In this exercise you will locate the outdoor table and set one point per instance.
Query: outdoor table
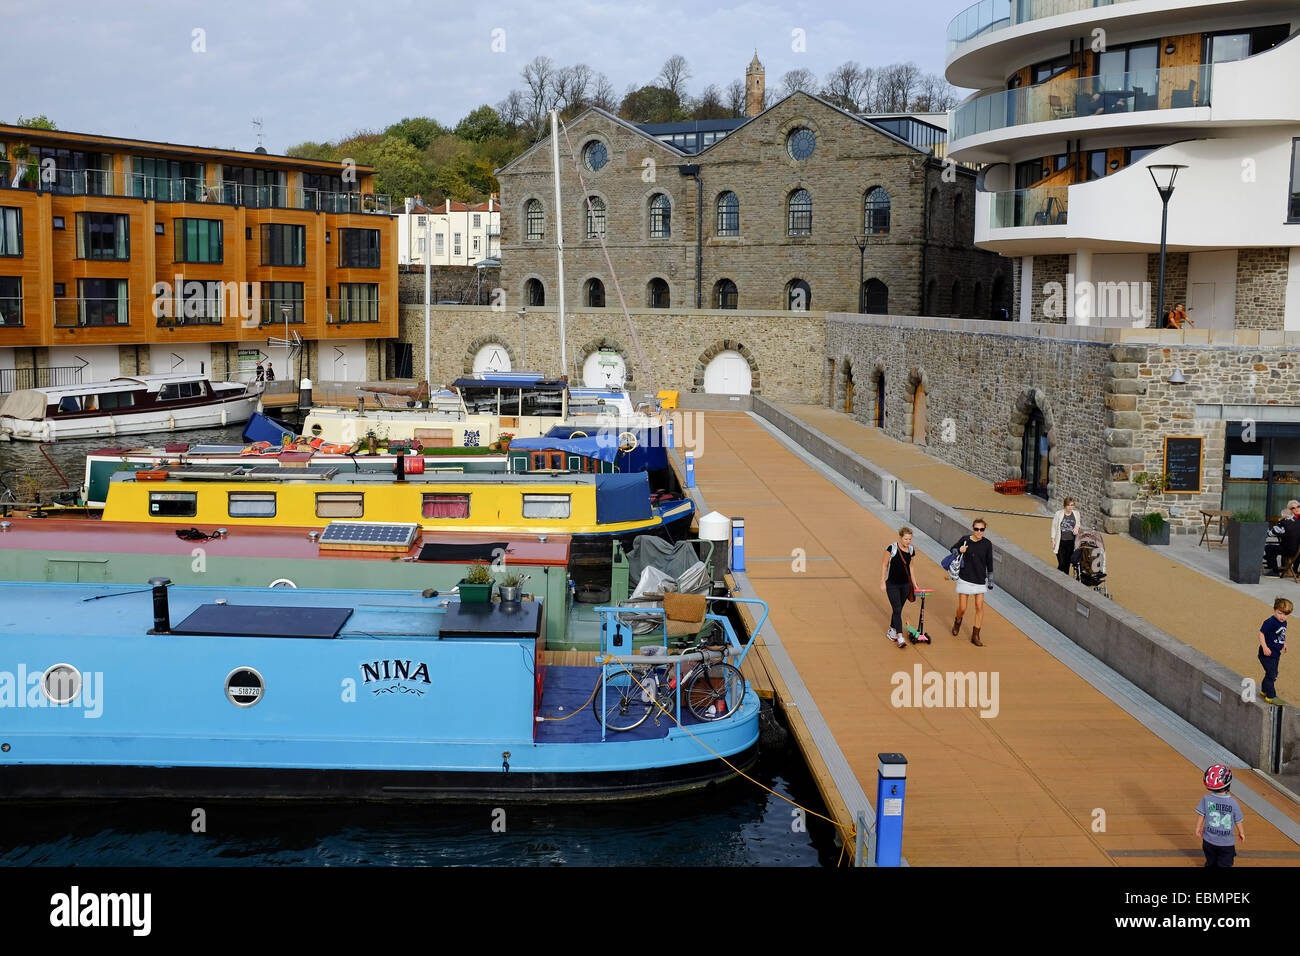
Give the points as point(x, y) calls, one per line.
point(1208, 517)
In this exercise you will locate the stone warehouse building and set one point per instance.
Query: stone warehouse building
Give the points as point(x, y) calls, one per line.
point(756, 214)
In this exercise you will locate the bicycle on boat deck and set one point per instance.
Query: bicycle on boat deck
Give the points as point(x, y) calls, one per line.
point(710, 689)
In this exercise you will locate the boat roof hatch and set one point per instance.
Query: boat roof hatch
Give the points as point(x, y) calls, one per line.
point(242, 620)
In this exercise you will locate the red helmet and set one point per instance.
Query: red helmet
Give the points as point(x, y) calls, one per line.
point(1218, 777)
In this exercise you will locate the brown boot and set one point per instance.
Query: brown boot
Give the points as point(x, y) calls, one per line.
point(956, 625)
point(975, 637)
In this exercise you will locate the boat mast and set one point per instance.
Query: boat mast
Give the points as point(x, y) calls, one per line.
point(559, 232)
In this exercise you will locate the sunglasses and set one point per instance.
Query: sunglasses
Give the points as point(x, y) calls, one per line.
point(977, 530)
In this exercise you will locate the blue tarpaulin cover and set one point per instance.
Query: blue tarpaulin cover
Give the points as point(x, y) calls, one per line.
point(650, 453)
point(601, 447)
point(622, 497)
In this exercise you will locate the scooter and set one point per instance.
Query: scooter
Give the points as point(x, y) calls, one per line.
point(917, 635)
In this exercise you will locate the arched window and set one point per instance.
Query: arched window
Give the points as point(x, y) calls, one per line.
point(954, 304)
point(995, 299)
point(728, 215)
point(534, 292)
point(931, 297)
point(657, 294)
point(535, 220)
point(595, 217)
point(875, 297)
point(724, 294)
point(977, 301)
point(875, 212)
point(594, 294)
point(798, 296)
point(956, 218)
point(661, 212)
point(800, 213)
point(934, 212)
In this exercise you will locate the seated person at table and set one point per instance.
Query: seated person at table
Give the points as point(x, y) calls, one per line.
point(1288, 538)
point(1178, 318)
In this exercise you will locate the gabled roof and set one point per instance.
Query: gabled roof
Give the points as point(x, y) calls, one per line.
point(546, 140)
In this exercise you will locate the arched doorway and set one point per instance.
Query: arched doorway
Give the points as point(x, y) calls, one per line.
point(604, 368)
point(1034, 454)
point(727, 373)
point(880, 398)
point(492, 357)
point(918, 415)
point(848, 388)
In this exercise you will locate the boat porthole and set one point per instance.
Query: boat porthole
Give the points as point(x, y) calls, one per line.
point(61, 683)
point(316, 430)
point(4, 748)
point(282, 583)
point(244, 687)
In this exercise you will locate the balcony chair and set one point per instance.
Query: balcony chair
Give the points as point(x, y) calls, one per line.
point(1180, 99)
point(1058, 108)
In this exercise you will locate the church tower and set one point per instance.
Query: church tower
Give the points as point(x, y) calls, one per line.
point(754, 80)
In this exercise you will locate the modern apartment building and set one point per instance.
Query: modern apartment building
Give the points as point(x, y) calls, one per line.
point(124, 256)
point(460, 234)
point(1077, 100)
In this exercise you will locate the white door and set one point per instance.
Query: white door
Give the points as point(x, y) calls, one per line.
point(492, 358)
point(1200, 304)
point(727, 374)
point(95, 363)
point(344, 361)
point(180, 359)
point(604, 369)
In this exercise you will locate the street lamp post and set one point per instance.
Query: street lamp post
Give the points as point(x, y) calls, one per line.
point(288, 354)
point(523, 327)
point(861, 242)
point(1163, 176)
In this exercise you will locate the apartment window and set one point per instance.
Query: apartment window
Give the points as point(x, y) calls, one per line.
point(724, 294)
point(75, 173)
point(198, 240)
point(875, 212)
point(159, 229)
point(359, 249)
point(799, 207)
point(728, 214)
point(444, 506)
point(248, 186)
point(251, 504)
point(330, 193)
point(167, 179)
point(478, 220)
point(535, 220)
point(176, 391)
point(11, 231)
point(173, 504)
point(102, 302)
point(455, 243)
point(1096, 164)
point(661, 212)
point(595, 217)
point(1293, 208)
point(11, 301)
point(1137, 153)
point(1042, 72)
point(358, 302)
point(102, 235)
point(200, 303)
point(476, 241)
point(420, 246)
point(58, 222)
point(340, 504)
point(278, 296)
point(439, 244)
point(284, 245)
point(1237, 45)
point(546, 506)
point(421, 220)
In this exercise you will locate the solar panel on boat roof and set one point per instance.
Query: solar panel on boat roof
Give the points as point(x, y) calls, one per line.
point(369, 532)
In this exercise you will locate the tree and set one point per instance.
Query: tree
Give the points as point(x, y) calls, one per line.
point(481, 123)
point(36, 122)
point(800, 80)
point(846, 86)
point(512, 110)
point(569, 88)
point(399, 170)
point(896, 86)
point(538, 92)
point(651, 104)
point(674, 74)
point(709, 105)
point(734, 98)
point(310, 150)
point(603, 95)
point(934, 94)
point(419, 131)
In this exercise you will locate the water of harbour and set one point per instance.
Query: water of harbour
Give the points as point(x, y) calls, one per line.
point(738, 824)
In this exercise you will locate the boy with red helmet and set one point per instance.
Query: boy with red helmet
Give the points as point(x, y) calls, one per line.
point(1217, 815)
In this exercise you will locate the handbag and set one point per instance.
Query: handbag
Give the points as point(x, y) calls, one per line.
point(952, 564)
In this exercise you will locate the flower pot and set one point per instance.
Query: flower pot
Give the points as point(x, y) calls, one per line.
point(475, 593)
point(1246, 550)
point(509, 595)
point(1136, 529)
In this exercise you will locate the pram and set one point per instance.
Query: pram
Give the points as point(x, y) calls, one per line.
point(1089, 561)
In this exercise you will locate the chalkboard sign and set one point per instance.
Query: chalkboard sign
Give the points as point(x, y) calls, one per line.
point(1183, 463)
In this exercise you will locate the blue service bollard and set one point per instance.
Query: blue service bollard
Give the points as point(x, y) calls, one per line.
point(668, 434)
point(690, 469)
point(891, 788)
point(738, 544)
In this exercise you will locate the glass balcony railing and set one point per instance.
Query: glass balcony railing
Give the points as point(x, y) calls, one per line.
point(352, 310)
point(989, 16)
point(1041, 206)
point(1174, 87)
point(76, 313)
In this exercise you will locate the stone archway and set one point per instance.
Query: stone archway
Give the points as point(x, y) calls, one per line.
point(1029, 400)
point(607, 344)
point(716, 349)
point(483, 341)
point(878, 395)
point(914, 423)
point(842, 398)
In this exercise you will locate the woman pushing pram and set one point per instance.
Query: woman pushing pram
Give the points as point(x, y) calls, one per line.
point(1089, 561)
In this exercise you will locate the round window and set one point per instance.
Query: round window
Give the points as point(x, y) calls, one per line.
point(801, 142)
point(595, 156)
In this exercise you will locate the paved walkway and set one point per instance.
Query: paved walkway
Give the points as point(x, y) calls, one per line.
point(1216, 617)
point(1032, 785)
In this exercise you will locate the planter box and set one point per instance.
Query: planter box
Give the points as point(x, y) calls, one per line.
point(475, 593)
point(1136, 530)
point(1246, 550)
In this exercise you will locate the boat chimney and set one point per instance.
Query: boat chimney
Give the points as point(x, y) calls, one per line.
point(304, 394)
point(162, 623)
point(400, 467)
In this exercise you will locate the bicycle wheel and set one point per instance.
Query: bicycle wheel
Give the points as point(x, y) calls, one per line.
point(620, 702)
point(714, 690)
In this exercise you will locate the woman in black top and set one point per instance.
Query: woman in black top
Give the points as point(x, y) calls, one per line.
point(976, 576)
point(897, 582)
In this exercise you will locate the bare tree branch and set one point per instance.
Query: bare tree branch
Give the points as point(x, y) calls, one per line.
point(800, 80)
point(674, 74)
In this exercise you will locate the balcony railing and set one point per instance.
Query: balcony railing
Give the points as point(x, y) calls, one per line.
point(12, 379)
point(1140, 91)
point(350, 311)
point(990, 16)
point(11, 311)
point(1041, 206)
point(273, 311)
point(77, 313)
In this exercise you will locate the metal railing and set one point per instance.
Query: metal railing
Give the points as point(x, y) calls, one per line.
point(12, 379)
point(59, 180)
point(348, 311)
point(77, 313)
point(273, 314)
point(11, 312)
point(990, 16)
point(1041, 206)
point(1139, 91)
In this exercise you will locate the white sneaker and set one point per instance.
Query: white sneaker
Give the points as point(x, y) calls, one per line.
point(892, 636)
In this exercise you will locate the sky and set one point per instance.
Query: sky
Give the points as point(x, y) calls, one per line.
point(198, 73)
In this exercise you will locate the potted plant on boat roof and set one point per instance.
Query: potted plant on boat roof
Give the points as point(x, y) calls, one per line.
point(1247, 532)
point(509, 588)
point(1149, 527)
point(476, 585)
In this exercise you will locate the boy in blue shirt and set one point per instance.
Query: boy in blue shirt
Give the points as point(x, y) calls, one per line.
point(1217, 814)
point(1272, 645)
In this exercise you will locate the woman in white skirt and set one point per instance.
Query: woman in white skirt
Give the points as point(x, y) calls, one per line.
point(975, 577)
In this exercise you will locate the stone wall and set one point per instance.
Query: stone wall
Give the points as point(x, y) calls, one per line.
point(1261, 288)
point(1048, 269)
point(1175, 281)
point(785, 350)
point(464, 284)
